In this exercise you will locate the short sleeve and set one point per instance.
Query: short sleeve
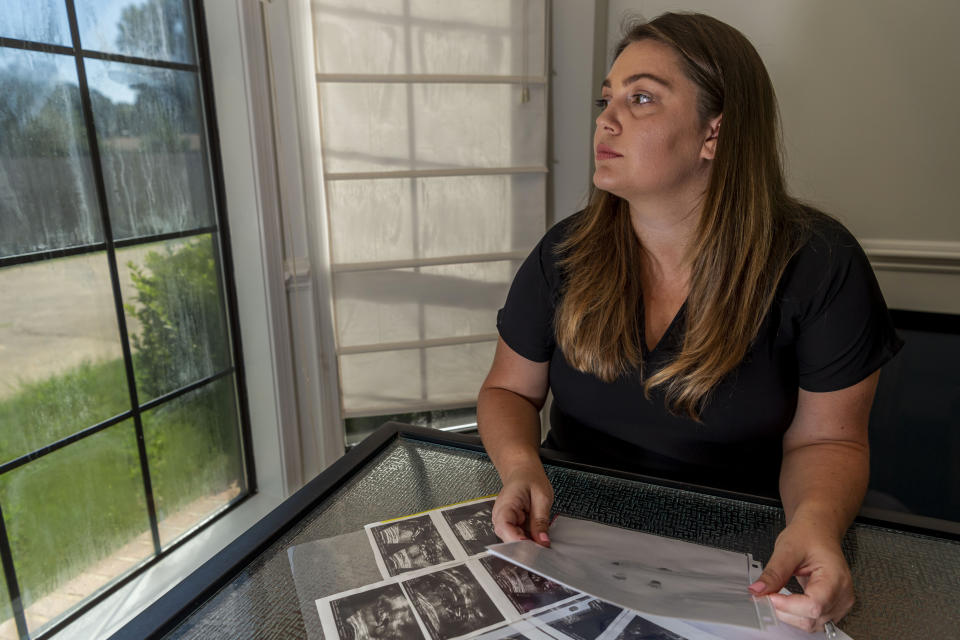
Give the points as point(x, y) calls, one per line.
point(526, 320)
point(843, 328)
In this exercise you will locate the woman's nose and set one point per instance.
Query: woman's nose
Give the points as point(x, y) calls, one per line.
point(607, 120)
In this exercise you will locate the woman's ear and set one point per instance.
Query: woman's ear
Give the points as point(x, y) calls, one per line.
point(710, 144)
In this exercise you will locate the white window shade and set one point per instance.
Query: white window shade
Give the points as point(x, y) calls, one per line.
point(434, 136)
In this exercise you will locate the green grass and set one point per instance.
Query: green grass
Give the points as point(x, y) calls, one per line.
point(46, 411)
point(77, 505)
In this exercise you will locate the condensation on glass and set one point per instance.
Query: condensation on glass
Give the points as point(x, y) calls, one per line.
point(150, 134)
point(175, 313)
point(154, 29)
point(47, 194)
point(72, 391)
point(196, 431)
point(61, 368)
point(35, 20)
point(77, 520)
point(8, 627)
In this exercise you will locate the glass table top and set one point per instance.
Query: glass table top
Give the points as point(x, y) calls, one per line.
point(907, 584)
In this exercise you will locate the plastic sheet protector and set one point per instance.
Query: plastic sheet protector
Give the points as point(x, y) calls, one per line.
point(647, 573)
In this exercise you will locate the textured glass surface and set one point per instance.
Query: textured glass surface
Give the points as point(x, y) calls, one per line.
point(37, 20)
point(47, 197)
point(198, 431)
point(906, 583)
point(435, 376)
point(392, 126)
point(155, 29)
point(429, 302)
point(77, 519)
point(150, 132)
point(176, 312)
point(400, 219)
point(61, 366)
point(494, 37)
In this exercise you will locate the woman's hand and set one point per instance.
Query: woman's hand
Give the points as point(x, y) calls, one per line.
point(522, 510)
point(803, 550)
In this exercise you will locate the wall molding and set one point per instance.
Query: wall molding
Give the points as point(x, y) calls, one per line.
point(926, 256)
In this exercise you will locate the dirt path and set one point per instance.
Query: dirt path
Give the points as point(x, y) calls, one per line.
point(56, 314)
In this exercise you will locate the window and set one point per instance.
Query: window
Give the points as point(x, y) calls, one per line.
point(121, 412)
point(433, 120)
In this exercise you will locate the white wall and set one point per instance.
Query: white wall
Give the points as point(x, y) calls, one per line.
point(871, 116)
point(577, 29)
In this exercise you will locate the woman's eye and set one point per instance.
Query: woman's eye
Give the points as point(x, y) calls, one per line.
point(640, 98)
point(601, 102)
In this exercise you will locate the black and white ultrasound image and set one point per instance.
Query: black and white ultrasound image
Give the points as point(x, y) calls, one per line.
point(407, 545)
point(451, 603)
point(383, 613)
point(588, 622)
point(526, 590)
point(473, 526)
point(641, 629)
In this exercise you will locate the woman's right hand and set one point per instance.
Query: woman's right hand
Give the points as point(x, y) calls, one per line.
point(522, 510)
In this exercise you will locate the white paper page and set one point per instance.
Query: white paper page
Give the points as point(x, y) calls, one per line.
point(647, 573)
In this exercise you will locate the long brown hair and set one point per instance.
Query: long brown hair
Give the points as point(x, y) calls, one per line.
point(748, 231)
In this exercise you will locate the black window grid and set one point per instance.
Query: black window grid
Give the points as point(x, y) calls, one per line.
point(219, 233)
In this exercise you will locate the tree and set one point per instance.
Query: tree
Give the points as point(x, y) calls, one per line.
point(182, 334)
point(155, 29)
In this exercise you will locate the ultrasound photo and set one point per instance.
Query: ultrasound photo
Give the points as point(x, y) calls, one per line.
point(640, 629)
point(378, 614)
point(452, 603)
point(525, 590)
point(473, 526)
point(588, 622)
point(410, 544)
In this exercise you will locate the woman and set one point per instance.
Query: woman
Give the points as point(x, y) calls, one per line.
point(695, 321)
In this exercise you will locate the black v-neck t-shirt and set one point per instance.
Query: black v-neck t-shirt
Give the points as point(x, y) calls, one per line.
point(828, 328)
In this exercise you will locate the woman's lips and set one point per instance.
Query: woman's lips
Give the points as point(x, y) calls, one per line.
point(605, 153)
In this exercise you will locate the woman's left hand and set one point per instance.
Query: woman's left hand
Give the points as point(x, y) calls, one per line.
point(816, 559)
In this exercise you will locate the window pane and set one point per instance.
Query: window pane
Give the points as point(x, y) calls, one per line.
point(408, 379)
point(176, 314)
point(459, 420)
point(398, 219)
point(77, 519)
point(445, 37)
point(61, 368)
point(193, 448)
point(391, 127)
point(155, 29)
point(151, 140)
point(37, 20)
point(8, 627)
point(47, 197)
point(432, 302)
